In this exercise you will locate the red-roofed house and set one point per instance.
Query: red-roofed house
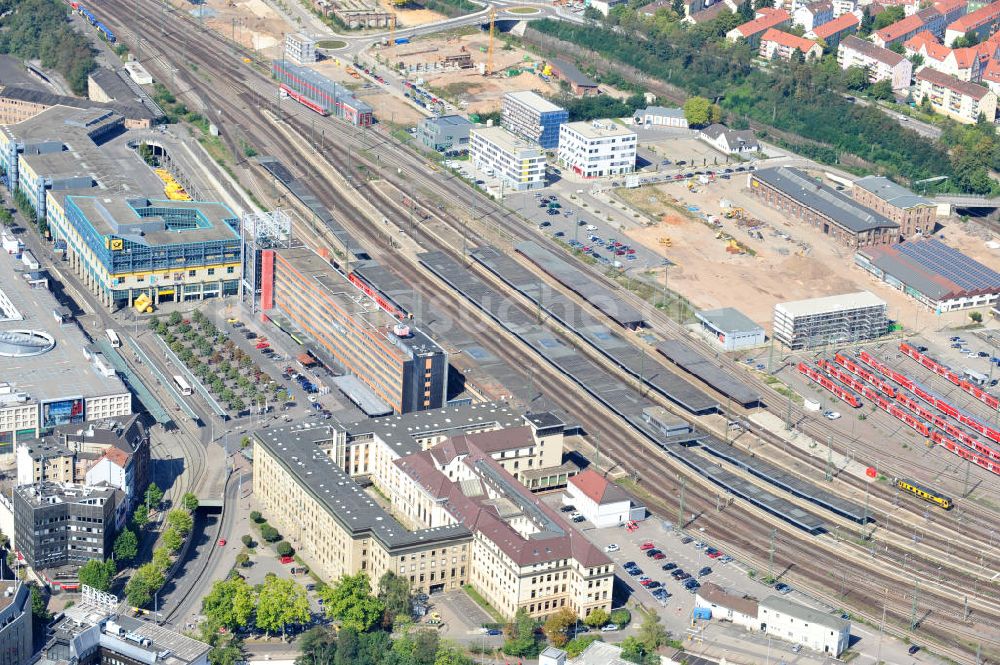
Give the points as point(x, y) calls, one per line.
point(983, 22)
point(776, 43)
point(965, 64)
point(960, 100)
point(899, 31)
point(599, 500)
point(991, 76)
point(767, 18)
point(831, 33)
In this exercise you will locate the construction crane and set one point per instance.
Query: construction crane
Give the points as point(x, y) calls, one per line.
point(392, 29)
point(489, 49)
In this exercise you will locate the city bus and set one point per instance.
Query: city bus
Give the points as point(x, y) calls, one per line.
point(113, 337)
point(182, 385)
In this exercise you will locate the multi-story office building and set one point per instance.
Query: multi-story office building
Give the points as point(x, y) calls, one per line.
point(401, 365)
point(59, 524)
point(596, 149)
point(842, 319)
point(497, 153)
point(532, 117)
point(446, 133)
point(444, 473)
point(914, 214)
point(15, 623)
point(961, 101)
point(300, 49)
point(48, 374)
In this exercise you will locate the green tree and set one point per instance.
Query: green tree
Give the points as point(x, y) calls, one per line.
point(242, 559)
point(597, 618)
point(162, 559)
point(98, 574)
point(230, 603)
point(145, 581)
point(280, 603)
point(970, 38)
point(6, 218)
point(317, 646)
point(247, 540)
point(154, 495)
point(678, 7)
point(394, 592)
point(256, 517)
point(882, 90)
point(652, 634)
point(698, 111)
point(140, 517)
point(578, 644)
point(189, 501)
point(269, 533)
point(230, 653)
point(451, 654)
point(175, 319)
point(556, 625)
point(350, 601)
point(284, 548)
point(126, 545)
point(181, 520)
point(39, 605)
point(172, 540)
point(856, 78)
point(520, 635)
point(977, 317)
point(887, 17)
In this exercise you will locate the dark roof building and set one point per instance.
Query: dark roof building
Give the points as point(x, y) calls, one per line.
point(836, 215)
point(579, 83)
point(937, 275)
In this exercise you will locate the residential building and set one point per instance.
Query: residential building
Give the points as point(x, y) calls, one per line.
point(597, 148)
point(914, 214)
point(731, 329)
point(532, 117)
point(516, 163)
point(961, 101)
point(51, 375)
point(832, 32)
point(813, 15)
point(784, 45)
point(880, 63)
point(60, 524)
point(941, 277)
point(15, 623)
point(660, 116)
point(841, 7)
point(579, 83)
point(320, 94)
point(830, 211)
point(398, 363)
point(300, 49)
point(604, 6)
point(983, 23)
point(965, 64)
point(729, 141)
point(712, 12)
point(899, 31)
point(446, 133)
point(452, 476)
point(991, 76)
point(739, 610)
point(803, 625)
point(601, 501)
point(766, 18)
point(596, 653)
point(840, 319)
point(92, 631)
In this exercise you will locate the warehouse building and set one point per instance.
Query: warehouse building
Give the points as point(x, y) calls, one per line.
point(597, 148)
point(446, 133)
point(320, 94)
point(941, 277)
point(516, 163)
point(532, 117)
point(579, 83)
point(731, 329)
point(20, 104)
point(65, 524)
point(803, 625)
point(914, 214)
point(48, 376)
point(452, 474)
point(401, 365)
point(660, 117)
point(842, 319)
point(840, 217)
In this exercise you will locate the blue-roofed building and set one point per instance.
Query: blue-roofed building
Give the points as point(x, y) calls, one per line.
point(930, 271)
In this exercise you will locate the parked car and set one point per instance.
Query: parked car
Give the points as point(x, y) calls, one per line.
point(568, 508)
point(646, 546)
point(579, 518)
point(653, 552)
point(913, 649)
point(659, 556)
point(669, 566)
point(782, 588)
point(704, 571)
point(613, 547)
point(609, 628)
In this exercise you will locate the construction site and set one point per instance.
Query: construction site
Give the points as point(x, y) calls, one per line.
point(457, 67)
point(251, 23)
point(730, 250)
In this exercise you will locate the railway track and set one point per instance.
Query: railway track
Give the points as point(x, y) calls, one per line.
point(614, 440)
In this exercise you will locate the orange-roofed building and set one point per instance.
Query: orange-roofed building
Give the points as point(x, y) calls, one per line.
point(965, 64)
point(600, 501)
point(899, 31)
point(767, 18)
point(982, 22)
point(831, 33)
point(779, 44)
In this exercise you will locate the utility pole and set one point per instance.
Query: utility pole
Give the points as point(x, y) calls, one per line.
point(788, 417)
point(770, 559)
point(864, 520)
point(829, 458)
point(965, 611)
point(597, 449)
point(881, 627)
point(965, 485)
point(680, 505)
point(913, 610)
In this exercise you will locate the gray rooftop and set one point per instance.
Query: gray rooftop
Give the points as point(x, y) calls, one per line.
point(112, 84)
point(813, 194)
point(686, 357)
point(892, 193)
point(674, 112)
point(728, 319)
point(153, 222)
point(448, 121)
point(804, 613)
point(361, 395)
point(64, 371)
point(297, 448)
point(131, 109)
point(934, 269)
point(533, 101)
point(572, 73)
point(825, 304)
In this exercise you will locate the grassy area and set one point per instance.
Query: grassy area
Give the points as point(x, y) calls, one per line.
point(633, 487)
point(331, 43)
point(474, 595)
point(523, 10)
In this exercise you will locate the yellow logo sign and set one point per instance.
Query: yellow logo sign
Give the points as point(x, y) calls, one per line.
point(117, 244)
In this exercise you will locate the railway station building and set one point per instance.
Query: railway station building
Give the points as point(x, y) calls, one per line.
point(458, 512)
point(401, 365)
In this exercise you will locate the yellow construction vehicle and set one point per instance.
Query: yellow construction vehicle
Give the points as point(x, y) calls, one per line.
point(665, 241)
point(734, 212)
